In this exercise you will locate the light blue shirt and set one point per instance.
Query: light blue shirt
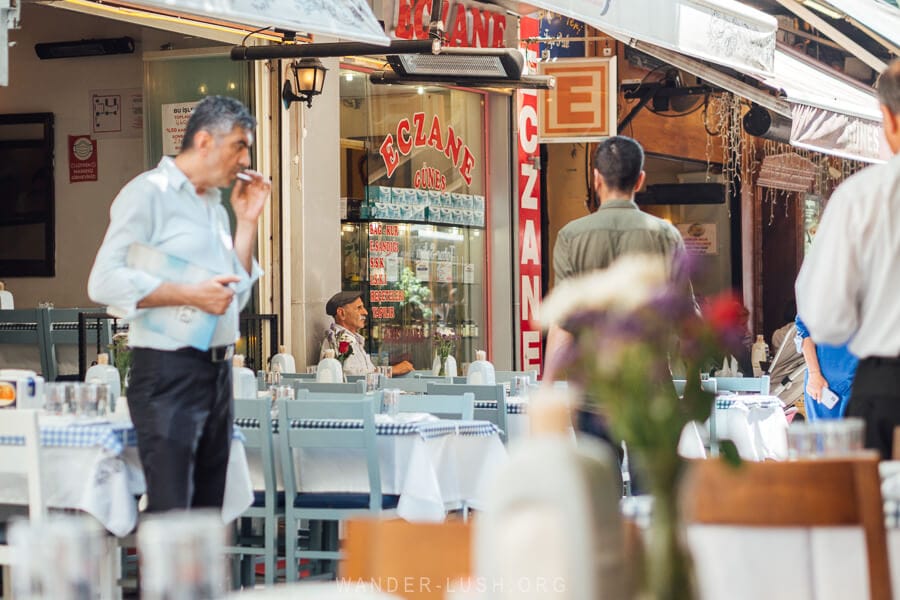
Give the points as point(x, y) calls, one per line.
point(161, 208)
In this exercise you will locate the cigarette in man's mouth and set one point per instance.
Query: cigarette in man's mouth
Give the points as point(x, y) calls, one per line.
point(244, 177)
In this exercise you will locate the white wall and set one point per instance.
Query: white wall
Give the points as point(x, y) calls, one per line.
point(62, 87)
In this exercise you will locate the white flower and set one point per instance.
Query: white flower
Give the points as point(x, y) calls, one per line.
point(630, 282)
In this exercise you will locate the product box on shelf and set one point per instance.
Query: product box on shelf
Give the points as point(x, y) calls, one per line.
point(378, 193)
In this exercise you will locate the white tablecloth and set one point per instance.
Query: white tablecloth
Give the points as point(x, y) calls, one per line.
point(432, 473)
point(756, 424)
point(95, 468)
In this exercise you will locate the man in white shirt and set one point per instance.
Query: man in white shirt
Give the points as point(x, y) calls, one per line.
point(343, 336)
point(849, 285)
point(180, 391)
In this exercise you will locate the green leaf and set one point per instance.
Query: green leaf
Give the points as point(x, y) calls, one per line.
point(729, 453)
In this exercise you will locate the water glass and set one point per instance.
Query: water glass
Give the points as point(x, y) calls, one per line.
point(390, 404)
point(280, 392)
point(87, 399)
point(373, 381)
point(182, 556)
point(312, 369)
point(385, 372)
point(519, 386)
point(57, 558)
point(55, 398)
point(826, 438)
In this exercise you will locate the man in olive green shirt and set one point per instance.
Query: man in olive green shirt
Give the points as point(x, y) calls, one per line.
point(617, 228)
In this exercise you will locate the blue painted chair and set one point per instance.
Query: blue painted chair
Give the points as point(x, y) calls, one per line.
point(743, 385)
point(333, 506)
point(490, 393)
point(357, 387)
point(410, 385)
point(253, 418)
point(455, 406)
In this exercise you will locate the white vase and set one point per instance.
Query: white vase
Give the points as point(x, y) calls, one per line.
point(449, 367)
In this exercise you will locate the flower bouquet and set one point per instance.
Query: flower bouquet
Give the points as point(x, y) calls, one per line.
point(630, 325)
point(444, 340)
point(341, 342)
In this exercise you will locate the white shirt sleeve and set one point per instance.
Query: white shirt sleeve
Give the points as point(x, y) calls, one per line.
point(111, 282)
point(828, 285)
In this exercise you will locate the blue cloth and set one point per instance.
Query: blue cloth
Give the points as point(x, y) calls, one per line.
point(838, 367)
point(160, 208)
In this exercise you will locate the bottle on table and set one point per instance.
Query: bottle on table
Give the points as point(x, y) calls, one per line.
point(759, 353)
point(103, 372)
point(329, 369)
point(481, 372)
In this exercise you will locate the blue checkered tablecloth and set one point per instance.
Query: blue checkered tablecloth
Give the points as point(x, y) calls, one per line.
point(512, 408)
point(113, 437)
point(425, 429)
point(726, 402)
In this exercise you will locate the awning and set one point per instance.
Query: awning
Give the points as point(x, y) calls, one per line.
point(344, 19)
point(879, 19)
point(830, 112)
point(725, 32)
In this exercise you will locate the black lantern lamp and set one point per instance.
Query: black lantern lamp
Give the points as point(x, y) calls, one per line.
point(309, 77)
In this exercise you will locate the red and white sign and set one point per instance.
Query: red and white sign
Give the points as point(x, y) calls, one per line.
point(582, 106)
point(82, 158)
point(529, 201)
point(468, 24)
point(420, 133)
point(174, 121)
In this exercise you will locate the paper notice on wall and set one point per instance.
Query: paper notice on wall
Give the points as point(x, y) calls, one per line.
point(699, 238)
point(392, 267)
point(174, 121)
point(444, 272)
point(117, 113)
point(469, 273)
point(423, 271)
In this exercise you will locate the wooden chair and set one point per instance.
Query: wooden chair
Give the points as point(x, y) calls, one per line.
point(252, 417)
point(492, 393)
point(327, 506)
point(21, 456)
point(444, 406)
point(743, 385)
point(813, 493)
point(431, 555)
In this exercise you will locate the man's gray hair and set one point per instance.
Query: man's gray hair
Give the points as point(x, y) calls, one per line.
point(888, 87)
point(218, 115)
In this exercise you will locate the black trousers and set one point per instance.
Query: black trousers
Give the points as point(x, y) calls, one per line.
point(181, 406)
point(875, 398)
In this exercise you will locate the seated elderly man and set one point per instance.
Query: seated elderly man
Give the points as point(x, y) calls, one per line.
point(343, 336)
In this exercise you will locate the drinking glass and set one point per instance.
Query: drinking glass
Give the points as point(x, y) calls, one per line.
point(385, 371)
point(390, 404)
point(801, 441)
point(55, 398)
point(373, 381)
point(519, 387)
point(87, 399)
point(182, 555)
point(311, 369)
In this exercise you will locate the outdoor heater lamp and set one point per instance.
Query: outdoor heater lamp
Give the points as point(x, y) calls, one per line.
point(309, 78)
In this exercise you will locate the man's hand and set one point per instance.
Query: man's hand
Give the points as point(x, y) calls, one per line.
point(249, 197)
point(213, 295)
point(814, 385)
point(401, 368)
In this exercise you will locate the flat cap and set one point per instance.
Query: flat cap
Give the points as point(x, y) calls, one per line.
point(340, 299)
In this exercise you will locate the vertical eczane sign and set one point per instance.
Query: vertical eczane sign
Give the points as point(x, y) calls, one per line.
point(529, 199)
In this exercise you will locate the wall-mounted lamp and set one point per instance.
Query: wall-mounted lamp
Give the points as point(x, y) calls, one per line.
point(309, 77)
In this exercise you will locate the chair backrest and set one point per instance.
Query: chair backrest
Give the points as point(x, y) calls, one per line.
point(410, 385)
point(361, 435)
point(358, 387)
point(707, 385)
point(750, 385)
point(492, 393)
point(20, 438)
point(804, 493)
point(248, 412)
point(289, 377)
point(444, 406)
point(385, 551)
point(62, 330)
point(26, 327)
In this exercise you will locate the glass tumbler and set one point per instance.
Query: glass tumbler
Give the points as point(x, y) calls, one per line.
point(55, 398)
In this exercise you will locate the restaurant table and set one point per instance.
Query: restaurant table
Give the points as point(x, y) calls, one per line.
point(432, 464)
point(755, 423)
point(92, 465)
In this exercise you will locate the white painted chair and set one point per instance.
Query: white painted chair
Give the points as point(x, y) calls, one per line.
point(20, 441)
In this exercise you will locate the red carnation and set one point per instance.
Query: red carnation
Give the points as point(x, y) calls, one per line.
point(343, 347)
point(725, 312)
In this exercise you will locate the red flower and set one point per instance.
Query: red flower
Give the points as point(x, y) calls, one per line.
point(343, 347)
point(725, 312)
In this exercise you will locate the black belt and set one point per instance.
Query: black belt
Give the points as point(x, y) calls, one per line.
point(214, 354)
point(882, 361)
